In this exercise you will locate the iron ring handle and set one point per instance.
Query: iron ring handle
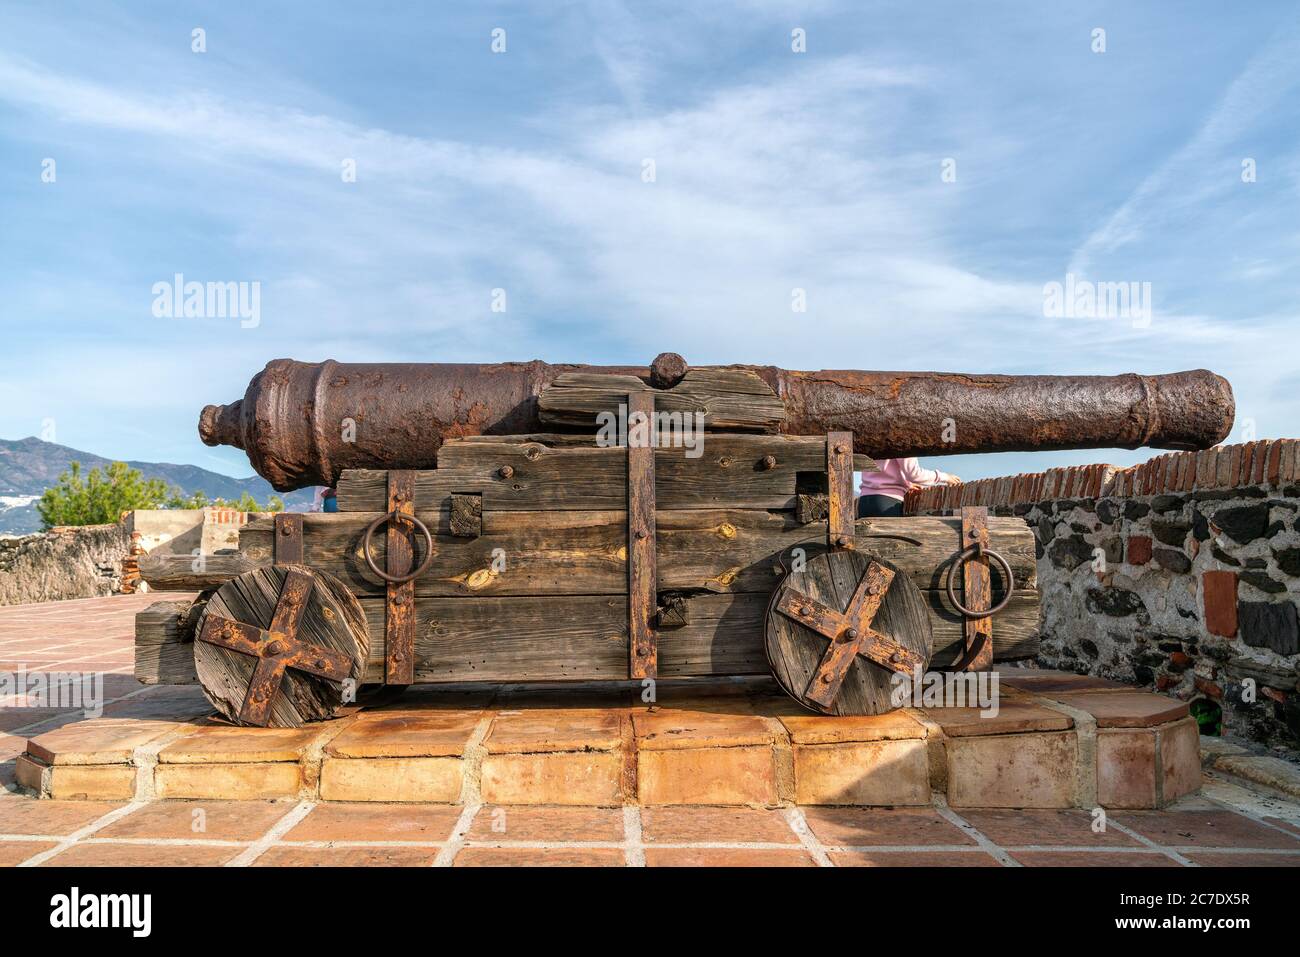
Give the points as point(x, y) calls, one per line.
point(964, 556)
point(370, 559)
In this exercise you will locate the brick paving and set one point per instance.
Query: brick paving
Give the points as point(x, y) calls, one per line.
point(96, 634)
point(286, 833)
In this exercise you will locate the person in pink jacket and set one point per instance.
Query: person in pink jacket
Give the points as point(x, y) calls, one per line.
point(881, 493)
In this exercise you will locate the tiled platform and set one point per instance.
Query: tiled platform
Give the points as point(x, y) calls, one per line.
point(596, 776)
point(737, 743)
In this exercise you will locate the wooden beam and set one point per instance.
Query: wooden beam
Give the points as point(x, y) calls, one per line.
point(399, 619)
point(729, 398)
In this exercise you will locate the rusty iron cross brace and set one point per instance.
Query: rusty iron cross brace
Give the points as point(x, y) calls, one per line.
point(276, 648)
point(850, 634)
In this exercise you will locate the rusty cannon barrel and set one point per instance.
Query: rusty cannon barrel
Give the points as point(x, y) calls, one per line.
point(304, 423)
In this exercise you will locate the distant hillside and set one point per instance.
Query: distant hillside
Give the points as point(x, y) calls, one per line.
point(29, 466)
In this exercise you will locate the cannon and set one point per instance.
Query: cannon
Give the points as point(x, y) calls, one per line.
point(536, 523)
point(305, 423)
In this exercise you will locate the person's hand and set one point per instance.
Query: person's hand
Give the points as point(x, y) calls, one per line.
point(954, 480)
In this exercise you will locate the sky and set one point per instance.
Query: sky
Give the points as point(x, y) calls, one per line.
point(639, 178)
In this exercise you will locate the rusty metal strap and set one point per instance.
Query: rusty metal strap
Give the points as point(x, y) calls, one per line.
point(399, 596)
point(642, 575)
point(839, 481)
point(977, 588)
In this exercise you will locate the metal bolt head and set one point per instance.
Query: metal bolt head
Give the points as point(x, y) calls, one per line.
point(841, 449)
point(843, 541)
point(274, 648)
point(768, 462)
point(826, 678)
point(321, 663)
point(399, 599)
point(642, 534)
point(851, 634)
point(806, 611)
point(896, 656)
point(506, 471)
point(285, 530)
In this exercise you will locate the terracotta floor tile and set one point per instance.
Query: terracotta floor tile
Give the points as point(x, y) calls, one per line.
point(1285, 825)
point(27, 815)
point(1229, 859)
point(200, 820)
point(402, 734)
point(1134, 709)
point(1205, 829)
point(865, 827)
point(715, 825)
point(1043, 681)
point(1025, 827)
point(217, 742)
point(142, 855)
point(540, 857)
point(13, 853)
point(330, 821)
point(1014, 716)
point(524, 823)
point(725, 857)
point(1092, 859)
point(347, 857)
point(552, 729)
point(912, 859)
point(668, 729)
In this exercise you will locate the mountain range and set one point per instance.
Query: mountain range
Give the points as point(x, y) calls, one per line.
point(29, 466)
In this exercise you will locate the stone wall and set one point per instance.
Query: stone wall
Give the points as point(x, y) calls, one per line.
point(83, 562)
point(94, 560)
point(1183, 574)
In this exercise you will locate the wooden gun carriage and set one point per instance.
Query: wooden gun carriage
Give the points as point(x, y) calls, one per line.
point(568, 557)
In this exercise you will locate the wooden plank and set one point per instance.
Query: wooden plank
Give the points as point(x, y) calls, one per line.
point(164, 642)
point(567, 552)
point(198, 572)
point(729, 398)
point(399, 620)
point(977, 589)
point(582, 553)
point(839, 479)
point(641, 548)
point(288, 538)
point(585, 638)
point(553, 472)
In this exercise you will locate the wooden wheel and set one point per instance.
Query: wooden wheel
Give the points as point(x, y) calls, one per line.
point(280, 646)
point(837, 631)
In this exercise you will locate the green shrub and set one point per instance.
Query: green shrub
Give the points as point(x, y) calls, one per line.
point(101, 496)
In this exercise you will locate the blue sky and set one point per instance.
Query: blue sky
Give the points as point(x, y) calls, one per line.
point(522, 171)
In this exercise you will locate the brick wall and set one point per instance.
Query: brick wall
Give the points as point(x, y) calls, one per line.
point(1182, 573)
